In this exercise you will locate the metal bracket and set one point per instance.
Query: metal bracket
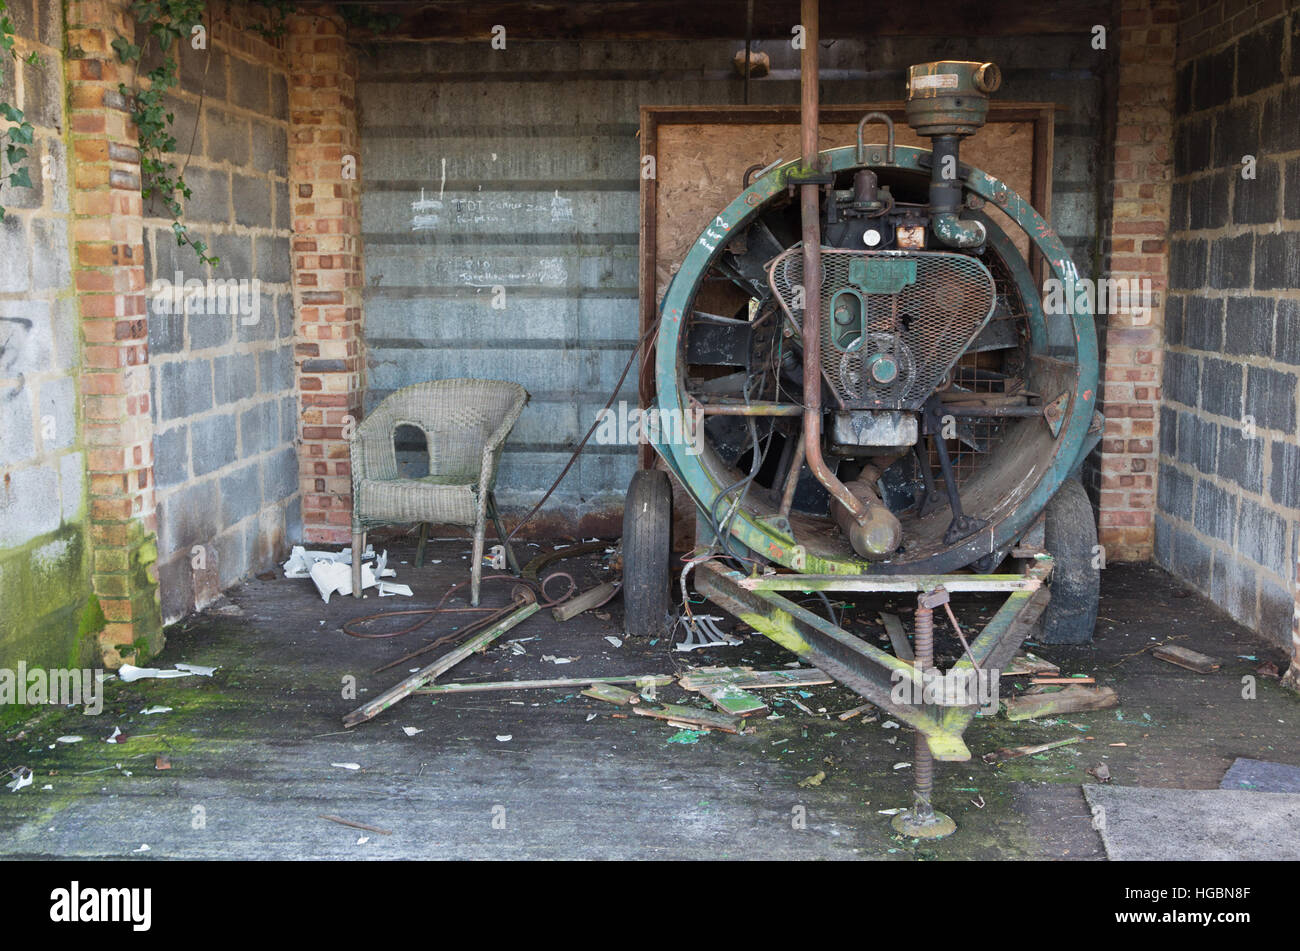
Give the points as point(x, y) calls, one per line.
point(702, 631)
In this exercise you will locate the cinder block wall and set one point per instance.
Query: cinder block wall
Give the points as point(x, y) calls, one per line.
point(47, 610)
point(225, 410)
point(1229, 488)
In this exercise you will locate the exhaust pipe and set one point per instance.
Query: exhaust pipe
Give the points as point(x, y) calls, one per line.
point(945, 101)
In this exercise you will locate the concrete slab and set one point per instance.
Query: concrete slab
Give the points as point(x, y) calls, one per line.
point(1198, 825)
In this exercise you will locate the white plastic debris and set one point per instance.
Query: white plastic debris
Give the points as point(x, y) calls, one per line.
point(347, 765)
point(331, 575)
point(301, 560)
point(23, 777)
point(363, 840)
point(411, 730)
point(69, 739)
point(147, 711)
point(614, 640)
point(196, 669)
point(505, 737)
point(129, 673)
point(889, 725)
point(113, 737)
point(143, 848)
point(558, 660)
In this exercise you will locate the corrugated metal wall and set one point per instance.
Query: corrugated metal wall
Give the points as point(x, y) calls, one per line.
point(518, 168)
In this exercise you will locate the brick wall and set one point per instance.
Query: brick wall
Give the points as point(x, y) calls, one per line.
point(324, 182)
point(108, 252)
point(47, 612)
point(1136, 249)
point(1229, 489)
point(224, 408)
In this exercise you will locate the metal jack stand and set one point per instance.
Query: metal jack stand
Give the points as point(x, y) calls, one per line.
point(921, 821)
point(896, 686)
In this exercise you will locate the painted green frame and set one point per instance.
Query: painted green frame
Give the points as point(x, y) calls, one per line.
point(1078, 434)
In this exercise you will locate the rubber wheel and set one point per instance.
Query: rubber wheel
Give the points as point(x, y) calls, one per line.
point(647, 554)
point(1070, 536)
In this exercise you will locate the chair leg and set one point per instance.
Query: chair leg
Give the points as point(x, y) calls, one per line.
point(358, 546)
point(419, 550)
point(476, 568)
point(501, 533)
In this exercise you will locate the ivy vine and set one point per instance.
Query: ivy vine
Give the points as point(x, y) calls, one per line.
point(18, 135)
point(166, 23)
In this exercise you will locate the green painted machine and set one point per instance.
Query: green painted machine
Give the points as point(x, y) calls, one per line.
point(886, 406)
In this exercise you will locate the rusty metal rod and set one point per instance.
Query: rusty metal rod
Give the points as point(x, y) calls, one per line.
point(810, 210)
point(923, 759)
point(751, 409)
point(792, 480)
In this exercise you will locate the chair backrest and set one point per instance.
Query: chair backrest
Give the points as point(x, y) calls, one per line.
point(458, 418)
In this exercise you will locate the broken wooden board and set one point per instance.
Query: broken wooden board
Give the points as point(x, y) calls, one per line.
point(897, 636)
point(1006, 753)
point(1189, 659)
point(645, 680)
point(1027, 663)
point(746, 678)
point(593, 598)
point(731, 699)
point(1067, 700)
point(611, 694)
point(1062, 681)
point(444, 663)
point(691, 717)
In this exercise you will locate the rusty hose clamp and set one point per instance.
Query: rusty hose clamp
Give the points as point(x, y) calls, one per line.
point(889, 146)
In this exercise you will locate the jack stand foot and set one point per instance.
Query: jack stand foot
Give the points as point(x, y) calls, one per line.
point(934, 826)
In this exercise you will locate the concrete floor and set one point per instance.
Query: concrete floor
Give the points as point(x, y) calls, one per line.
point(251, 748)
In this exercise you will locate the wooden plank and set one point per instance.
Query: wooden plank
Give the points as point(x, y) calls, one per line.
point(1027, 663)
point(591, 598)
point(658, 680)
point(1069, 700)
point(690, 715)
point(611, 694)
point(749, 679)
point(897, 636)
point(1184, 657)
point(444, 663)
point(731, 699)
point(1005, 753)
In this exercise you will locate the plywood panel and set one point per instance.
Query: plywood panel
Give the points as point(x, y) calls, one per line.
point(700, 167)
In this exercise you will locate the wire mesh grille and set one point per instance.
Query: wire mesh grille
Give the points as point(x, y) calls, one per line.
point(889, 350)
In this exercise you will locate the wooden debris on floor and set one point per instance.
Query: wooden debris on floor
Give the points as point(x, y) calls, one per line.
point(1186, 658)
point(1027, 663)
point(356, 825)
point(611, 694)
point(1006, 753)
point(690, 717)
point(443, 664)
point(592, 598)
point(1067, 681)
point(746, 678)
point(850, 714)
point(731, 699)
point(897, 636)
point(1066, 700)
point(644, 680)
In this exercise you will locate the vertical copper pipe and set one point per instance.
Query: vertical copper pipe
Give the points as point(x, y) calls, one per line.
point(810, 208)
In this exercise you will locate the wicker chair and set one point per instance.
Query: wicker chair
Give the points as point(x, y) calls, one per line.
point(465, 423)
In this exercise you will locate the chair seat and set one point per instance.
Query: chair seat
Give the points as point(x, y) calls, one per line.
point(417, 500)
